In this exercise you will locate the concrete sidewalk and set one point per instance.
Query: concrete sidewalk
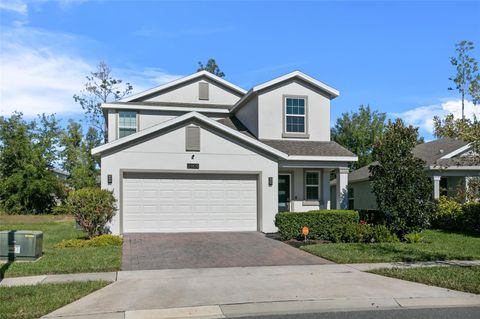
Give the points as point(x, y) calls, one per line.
point(234, 292)
point(112, 276)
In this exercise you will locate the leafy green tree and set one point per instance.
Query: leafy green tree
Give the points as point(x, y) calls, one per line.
point(403, 190)
point(76, 156)
point(467, 78)
point(211, 67)
point(464, 129)
point(27, 152)
point(101, 87)
point(358, 132)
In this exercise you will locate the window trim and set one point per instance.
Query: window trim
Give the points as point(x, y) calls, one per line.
point(317, 200)
point(136, 122)
point(305, 116)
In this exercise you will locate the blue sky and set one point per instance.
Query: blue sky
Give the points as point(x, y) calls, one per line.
point(391, 55)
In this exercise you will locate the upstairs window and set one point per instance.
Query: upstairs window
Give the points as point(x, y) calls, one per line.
point(127, 123)
point(295, 115)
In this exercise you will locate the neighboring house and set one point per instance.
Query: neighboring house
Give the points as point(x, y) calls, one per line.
point(202, 154)
point(448, 163)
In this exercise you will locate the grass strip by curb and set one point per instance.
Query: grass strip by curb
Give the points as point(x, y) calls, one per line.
point(25, 302)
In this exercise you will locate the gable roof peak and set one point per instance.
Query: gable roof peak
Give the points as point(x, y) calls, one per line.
point(181, 80)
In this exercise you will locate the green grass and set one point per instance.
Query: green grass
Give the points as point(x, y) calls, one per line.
point(58, 260)
point(23, 302)
point(458, 278)
point(439, 245)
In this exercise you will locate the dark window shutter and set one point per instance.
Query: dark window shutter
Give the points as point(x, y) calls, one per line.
point(192, 140)
point(203, 91)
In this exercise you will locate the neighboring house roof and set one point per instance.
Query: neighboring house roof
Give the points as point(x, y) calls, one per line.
point(163, 87)
point(435, 153)
point(331, 92)
point(432, 151)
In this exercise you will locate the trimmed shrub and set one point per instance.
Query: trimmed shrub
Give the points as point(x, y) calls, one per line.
point(364, 233)
point(92, 208)
point(99, 241)
point(471, 217)
point(449, 214)
point(413, 238)
point(323, 224)
point(381, 234)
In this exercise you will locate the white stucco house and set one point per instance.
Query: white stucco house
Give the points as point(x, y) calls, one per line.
point(203, 154)
point(448, 162)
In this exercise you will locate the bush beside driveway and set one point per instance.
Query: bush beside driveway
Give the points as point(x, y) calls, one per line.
point(58, 260)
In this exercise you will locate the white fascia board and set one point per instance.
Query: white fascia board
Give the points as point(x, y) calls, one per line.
point(302, 76)
point(333, 92)
point(460, 150)
point(182, 80)
point(162, 108)
point(180, 119)
point(455, 168)
point(323, 158)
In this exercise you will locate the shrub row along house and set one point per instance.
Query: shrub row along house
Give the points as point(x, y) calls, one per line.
point(448, 162)
point(202, 154)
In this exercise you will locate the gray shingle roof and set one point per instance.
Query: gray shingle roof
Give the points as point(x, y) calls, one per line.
point(430, 152)
point(308, 148)
point(234, 123)
point(292, 147)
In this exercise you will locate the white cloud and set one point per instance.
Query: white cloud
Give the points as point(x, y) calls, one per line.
point(422, 116)
point(17, 6)
point(40, 72)
point(37, 75)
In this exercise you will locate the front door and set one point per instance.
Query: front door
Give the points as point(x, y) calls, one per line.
point(283, 193)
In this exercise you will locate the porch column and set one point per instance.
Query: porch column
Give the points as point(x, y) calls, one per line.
point(326, 188)
point(467, 182)
point(342, 190)
point(436, 187)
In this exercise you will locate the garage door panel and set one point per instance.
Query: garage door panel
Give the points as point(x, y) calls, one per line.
point(189, 203)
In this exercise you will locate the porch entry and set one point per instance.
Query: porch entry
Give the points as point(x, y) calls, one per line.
point(284, 192)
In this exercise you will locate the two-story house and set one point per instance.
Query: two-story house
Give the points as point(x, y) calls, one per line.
point(202, 154)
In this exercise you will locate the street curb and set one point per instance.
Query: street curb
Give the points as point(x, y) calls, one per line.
point(284, 308)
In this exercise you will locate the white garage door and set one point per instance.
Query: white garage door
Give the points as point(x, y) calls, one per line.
point(189, 202)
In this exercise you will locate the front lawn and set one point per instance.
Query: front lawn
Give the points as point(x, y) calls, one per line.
point(438, 245)
point(58, 260)
point(24, 302)
point(458, 278)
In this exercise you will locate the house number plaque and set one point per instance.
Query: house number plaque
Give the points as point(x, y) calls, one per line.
point(193, 165)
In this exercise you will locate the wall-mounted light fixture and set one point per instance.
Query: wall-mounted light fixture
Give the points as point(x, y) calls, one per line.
point(109, 179)
point(270, 181)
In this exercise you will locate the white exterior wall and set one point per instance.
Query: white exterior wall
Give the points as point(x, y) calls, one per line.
point(147, 118)
point(167, 153)
point(271, 113)
point(248, 115)
point(188, 93)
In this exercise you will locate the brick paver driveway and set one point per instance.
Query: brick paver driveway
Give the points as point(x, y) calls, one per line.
point(209, 250)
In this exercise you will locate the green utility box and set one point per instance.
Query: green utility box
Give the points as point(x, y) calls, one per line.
point(20, 244)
